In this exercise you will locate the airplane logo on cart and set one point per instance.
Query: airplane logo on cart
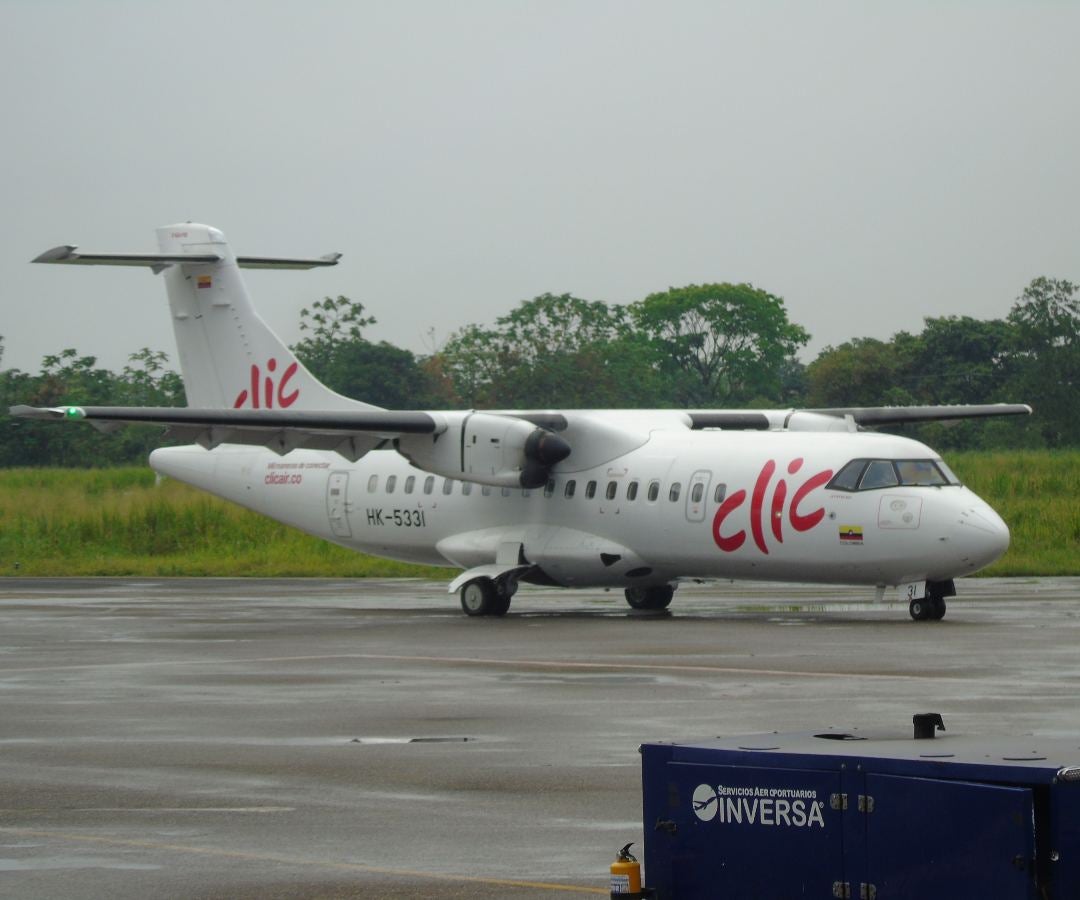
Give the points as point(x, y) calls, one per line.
point(633, 499)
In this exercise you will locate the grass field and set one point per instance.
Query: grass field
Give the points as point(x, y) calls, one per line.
point(1037, 493)
point(119, 522)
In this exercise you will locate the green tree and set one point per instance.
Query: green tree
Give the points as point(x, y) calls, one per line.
point(337, 353)
point(1046, 357)
point(860, 372)
point(68, 378)
point(958, 359)
point(555, 350)
point(723, 343)
point(145, 381)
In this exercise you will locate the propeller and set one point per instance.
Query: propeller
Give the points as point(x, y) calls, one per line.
point(543, 449)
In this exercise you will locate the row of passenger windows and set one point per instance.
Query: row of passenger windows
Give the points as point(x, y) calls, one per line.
point(611, 490)
point(857, 475)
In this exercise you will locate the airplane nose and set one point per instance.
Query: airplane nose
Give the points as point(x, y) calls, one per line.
point(982, 533)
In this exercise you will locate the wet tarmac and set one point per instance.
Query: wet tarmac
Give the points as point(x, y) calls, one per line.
point(293, 738)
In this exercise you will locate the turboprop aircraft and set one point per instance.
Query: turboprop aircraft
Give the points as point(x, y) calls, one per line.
point(631, 499)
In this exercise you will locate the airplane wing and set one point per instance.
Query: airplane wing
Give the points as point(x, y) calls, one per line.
point(902, 415)
point(319, 429)
point(501, 448)
point(350, 433)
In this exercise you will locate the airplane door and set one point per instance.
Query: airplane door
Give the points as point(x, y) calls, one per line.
point(697, 495)
point(337, 487)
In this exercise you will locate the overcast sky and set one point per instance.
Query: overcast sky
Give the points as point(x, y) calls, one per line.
point(872, 163)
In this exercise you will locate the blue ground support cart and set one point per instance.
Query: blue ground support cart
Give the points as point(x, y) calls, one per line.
point(861, 815)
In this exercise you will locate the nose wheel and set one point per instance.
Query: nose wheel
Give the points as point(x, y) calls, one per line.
point(657, 596)
point(932, 606)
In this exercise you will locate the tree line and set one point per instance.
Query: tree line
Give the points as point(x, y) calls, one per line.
point(698, 346)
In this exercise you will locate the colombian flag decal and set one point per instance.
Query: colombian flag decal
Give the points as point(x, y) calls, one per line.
point(851, 534)
point(204, 281)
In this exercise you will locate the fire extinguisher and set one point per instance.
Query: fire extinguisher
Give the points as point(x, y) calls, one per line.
point(626, 876)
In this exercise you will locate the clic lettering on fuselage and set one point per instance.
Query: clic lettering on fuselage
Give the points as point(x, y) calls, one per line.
point(798, 519)
point(270, 391)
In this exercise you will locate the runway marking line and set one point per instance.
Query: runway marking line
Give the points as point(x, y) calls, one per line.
point(303, 861)
point(514, 663)
point(658, 667)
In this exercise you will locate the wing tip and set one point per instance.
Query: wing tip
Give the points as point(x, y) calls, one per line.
point(63, 253)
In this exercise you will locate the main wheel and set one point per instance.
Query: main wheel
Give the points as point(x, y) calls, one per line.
point(657, 596)
point(500, 606)
point(479, 597)
point(937, 608)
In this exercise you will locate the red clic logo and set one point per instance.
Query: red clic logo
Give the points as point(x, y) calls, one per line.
point(799, 521)
point(270, 392)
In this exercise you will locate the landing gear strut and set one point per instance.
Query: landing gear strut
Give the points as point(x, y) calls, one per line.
point(932, 606)
point(657, 596)
point(487, 596)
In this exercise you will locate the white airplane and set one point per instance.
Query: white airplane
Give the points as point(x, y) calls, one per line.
point(633, 499)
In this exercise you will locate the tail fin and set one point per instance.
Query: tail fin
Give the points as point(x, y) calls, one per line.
point(229, 357)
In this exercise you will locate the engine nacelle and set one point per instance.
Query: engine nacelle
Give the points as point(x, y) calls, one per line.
point(502, 451)
point(811, 421)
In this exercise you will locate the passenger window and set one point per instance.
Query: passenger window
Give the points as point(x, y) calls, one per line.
point(673, 494)
point(429, 484)
point(571, 486)
point(612, 490)
point(549, 488)
point(466, 488)
point(372, 484)
point(879, 474)
point(448, 486)
point(719, 494)
point(391, 483)
point(410, 483)
point(486, 490)
point(631, 491)
point(590, 490)
point(654, 490)
point(697, 493)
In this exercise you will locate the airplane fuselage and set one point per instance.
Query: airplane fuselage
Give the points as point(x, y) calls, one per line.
point(705, 504)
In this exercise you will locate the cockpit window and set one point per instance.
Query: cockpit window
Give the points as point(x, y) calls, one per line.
point(873, 474)
point(950, 476)
point(920, 471)
point(847, 479)
point(880, 473)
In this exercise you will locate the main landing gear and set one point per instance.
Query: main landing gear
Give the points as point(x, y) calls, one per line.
point(654, 597)
point(932, 606)
point(487, 596)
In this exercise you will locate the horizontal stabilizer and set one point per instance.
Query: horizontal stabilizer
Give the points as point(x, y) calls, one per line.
point(67, 254)
point(274, 262)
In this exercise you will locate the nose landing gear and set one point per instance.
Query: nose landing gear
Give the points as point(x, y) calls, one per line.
point(932, 606)
point(657, 596)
